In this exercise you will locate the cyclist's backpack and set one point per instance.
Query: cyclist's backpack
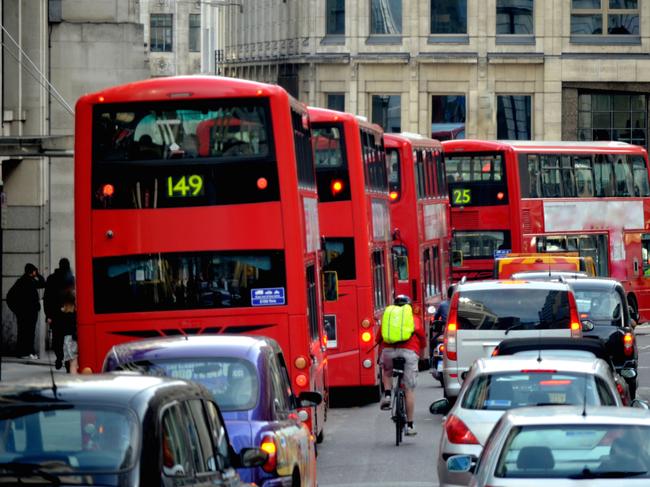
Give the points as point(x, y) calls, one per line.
point(397, 324)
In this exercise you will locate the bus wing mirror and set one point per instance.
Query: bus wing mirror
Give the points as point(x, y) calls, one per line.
point(456, 258)
point(331, 285)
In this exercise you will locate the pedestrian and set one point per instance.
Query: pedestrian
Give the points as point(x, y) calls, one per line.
point(23, 300)
point(58, 284)
point(68, 322)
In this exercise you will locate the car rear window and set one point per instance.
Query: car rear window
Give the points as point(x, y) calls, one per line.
point(232, 381)
point(66, 439)
point(601, 306)
point(517, 309)
point(519, 389)
point(575, 451)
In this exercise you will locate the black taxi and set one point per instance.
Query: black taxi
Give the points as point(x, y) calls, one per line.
point(115, 430)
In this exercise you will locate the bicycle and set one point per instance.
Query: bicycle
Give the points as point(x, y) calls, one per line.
point(398, 407)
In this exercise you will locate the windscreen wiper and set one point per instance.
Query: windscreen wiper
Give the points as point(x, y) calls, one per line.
point(20, 469)
point(521, 325)
point(605, 474)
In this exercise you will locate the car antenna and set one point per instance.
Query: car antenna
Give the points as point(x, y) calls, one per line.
point(54, 388)
point(584, 402)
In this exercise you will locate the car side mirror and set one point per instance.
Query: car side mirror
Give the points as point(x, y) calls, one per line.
point(463, 375)
point(308, 399)
point(461, 464)
point(252, 457)
point(331, 286)
point(641, 404)
point(441, 406)
point(587, 325)
point(633, 314)
point(628, 373)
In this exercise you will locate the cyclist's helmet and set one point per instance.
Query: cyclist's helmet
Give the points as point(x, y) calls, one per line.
point(401, 300)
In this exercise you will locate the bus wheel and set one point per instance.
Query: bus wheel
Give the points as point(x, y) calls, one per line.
point(321, 436)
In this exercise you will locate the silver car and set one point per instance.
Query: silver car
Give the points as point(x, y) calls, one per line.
point(481, 314)
point(495, 385)
point(568, 445)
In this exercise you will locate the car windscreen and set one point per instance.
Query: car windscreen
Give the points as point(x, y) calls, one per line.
point(567, 451)
point(66, 439)
point(502, 391)
point(517, 309)
point(599, 305)
point(232, 381)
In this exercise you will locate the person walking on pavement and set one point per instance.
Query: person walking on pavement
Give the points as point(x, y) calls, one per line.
point(23, 300)
point(409, 349)
point(68, 323)
point(59, 283)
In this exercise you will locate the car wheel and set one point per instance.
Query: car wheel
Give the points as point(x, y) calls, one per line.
point(321, 436)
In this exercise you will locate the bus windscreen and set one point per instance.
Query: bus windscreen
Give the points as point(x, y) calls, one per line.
point(178, 154)
point(476, 179)
point(331, 163)
point(190, 280)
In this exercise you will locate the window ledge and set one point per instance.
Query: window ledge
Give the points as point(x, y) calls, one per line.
point(384, 39)
point(333, 40)
point(448, 39)
point(515, 39)
point(606, 40)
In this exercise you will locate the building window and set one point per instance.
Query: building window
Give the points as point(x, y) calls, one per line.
point(160, 33)
point(449, 16)
point(605, 17)
point(386, 111)
point(621, 117)
point(515, 17)
point(514, 117)
point(386, 17)
point(448, 117)
point(336, 101)
point(195, 33)
point(335, 16)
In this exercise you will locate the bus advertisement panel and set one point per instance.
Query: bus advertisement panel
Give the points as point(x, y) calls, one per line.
point(196, 212)
point(419, 214)
point(587, 197)
point(355, 222)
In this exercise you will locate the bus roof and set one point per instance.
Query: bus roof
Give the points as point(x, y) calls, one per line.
point(417, 140)
point(320, 115)
point(468, 145)
point(182, 88)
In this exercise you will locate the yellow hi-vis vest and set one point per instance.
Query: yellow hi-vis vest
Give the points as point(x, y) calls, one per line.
point(397, 323)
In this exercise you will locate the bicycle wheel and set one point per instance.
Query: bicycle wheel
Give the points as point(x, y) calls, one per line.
point(399, 417)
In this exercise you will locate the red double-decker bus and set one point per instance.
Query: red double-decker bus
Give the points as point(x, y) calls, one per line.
point(419, 213)
point(587, 197)
point(355, 221)
point(197, 212)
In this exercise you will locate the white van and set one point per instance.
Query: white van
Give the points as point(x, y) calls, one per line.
point(483, 313)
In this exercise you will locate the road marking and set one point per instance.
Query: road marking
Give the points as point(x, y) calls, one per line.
point(645, 347)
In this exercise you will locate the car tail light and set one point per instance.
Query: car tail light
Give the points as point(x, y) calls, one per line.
point(452, 329)
point(621, 392)
point(495, 352)
point(268, 445)
point(458, 432)
point(576, 327)
point(628, 344)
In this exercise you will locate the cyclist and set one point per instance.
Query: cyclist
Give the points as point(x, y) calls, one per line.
point(410, 351)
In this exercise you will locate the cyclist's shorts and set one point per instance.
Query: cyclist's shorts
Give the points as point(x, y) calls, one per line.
point(411, 367)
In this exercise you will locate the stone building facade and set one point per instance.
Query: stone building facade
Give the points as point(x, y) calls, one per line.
point(60, 50)
point(552, 69)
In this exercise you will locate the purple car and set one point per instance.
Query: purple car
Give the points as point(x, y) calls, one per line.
point(248, 379)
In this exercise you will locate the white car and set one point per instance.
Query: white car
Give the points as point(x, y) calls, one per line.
point(495, 385)
point(564, 446)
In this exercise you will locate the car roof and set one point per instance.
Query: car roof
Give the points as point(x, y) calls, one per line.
point(241, 346)
point(552, 275)
point(560, 415)
point(513, 363)
point(114, 389)
point(511, 284)
point(514, 345)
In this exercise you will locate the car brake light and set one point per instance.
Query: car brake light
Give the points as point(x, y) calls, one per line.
point(555, 382)
point(452, 329)
point(628, 344)
point(270, 448)
point(538, 371)
point(576, 326)
point(458, 432)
